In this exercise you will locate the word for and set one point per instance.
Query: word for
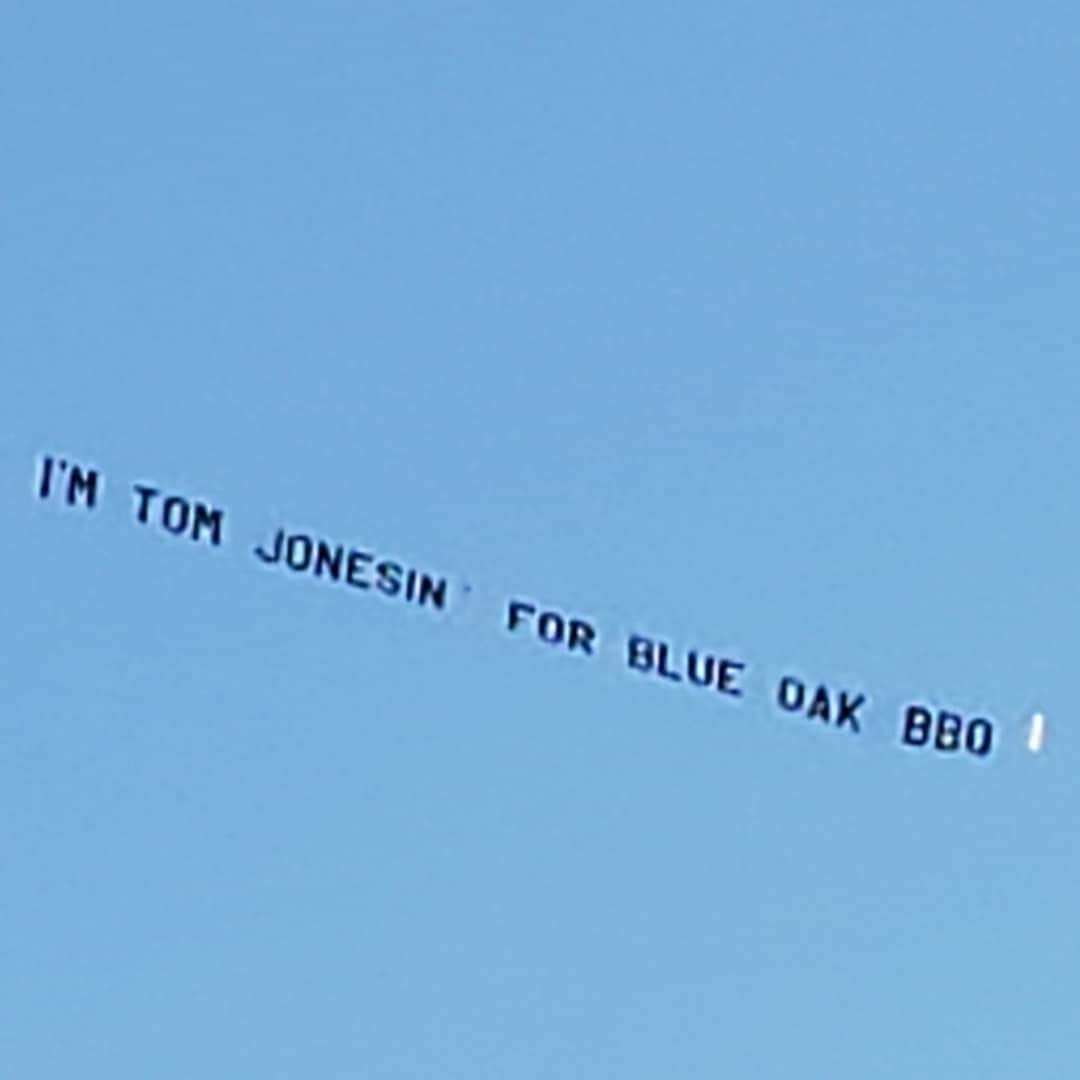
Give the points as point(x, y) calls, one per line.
point(553, 627)
point(945, 731)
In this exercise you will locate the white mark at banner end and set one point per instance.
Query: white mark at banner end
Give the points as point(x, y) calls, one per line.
point(1036, 733)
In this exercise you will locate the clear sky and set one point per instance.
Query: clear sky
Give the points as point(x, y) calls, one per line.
point(751, 328)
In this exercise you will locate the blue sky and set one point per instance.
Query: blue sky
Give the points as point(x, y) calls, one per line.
point(748, 328)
